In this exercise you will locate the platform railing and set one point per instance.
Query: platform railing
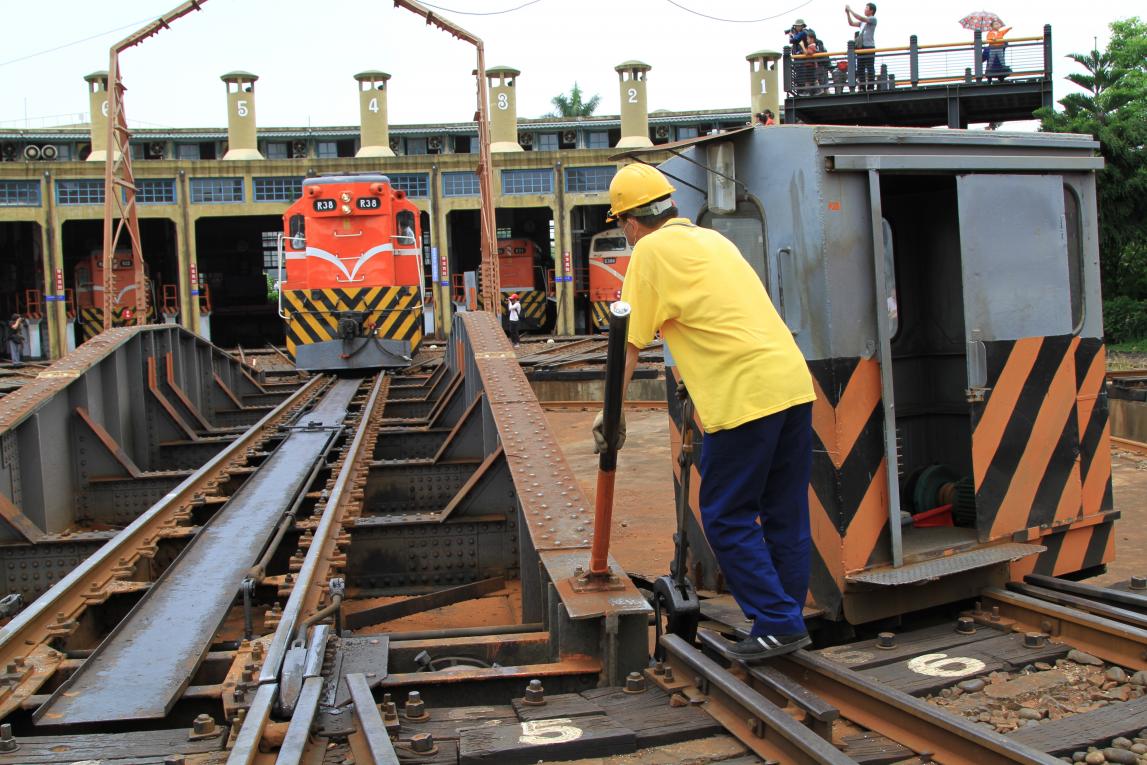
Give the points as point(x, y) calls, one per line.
point(916, 65)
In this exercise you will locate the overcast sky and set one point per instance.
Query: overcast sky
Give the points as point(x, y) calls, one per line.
point(305, 52)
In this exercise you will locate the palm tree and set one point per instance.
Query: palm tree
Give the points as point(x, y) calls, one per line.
point(573, 105)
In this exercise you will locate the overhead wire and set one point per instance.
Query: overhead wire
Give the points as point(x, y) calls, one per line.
point(132, 25)
point(739, 21)
point(485, 13)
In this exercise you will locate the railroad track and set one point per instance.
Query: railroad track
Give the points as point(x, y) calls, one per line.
point(389, 569)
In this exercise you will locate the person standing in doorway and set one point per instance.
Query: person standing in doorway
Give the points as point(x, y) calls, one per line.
point(513, 314)
point(16, 338)
point(752, 390)
point(866, 40)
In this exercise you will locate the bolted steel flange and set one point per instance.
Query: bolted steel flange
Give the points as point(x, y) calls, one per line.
point(535, 694)
point(886, 640)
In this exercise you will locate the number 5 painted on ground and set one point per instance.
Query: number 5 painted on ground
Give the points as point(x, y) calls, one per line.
point(548, 732)
point(943, 665)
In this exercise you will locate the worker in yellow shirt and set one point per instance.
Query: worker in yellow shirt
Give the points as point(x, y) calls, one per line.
point(752, 390)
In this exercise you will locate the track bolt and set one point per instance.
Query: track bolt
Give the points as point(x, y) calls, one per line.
point(1034, 639)
point(659, 668)
point(966, 625)
point(668, 674)
point(535, 694)
point(1139, 582)
point(422, 743)
point(635, 683)
point(238, 695)
point(203, 725)
point(995, 613)
point(886, 640)
point(7, 740)
point(246, 676)
point(414, 708)
point(389, 711)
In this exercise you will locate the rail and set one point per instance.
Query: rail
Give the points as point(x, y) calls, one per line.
point(914, 65)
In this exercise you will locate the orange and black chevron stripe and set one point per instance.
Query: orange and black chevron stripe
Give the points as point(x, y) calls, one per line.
point(848, 505)
point(1076, 525)
point(848, 502)
point(91, 320)
point(599, 310)
point(396, 312)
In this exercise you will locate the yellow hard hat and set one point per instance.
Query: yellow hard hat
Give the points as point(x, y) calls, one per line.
point(636, 185)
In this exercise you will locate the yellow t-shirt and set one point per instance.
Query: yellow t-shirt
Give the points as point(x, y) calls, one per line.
point(734, 352)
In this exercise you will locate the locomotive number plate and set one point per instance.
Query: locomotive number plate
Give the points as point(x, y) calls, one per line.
point(324, 205)
point(367, 203)
point(609, 261)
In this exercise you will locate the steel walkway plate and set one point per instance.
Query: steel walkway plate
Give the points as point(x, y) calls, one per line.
point(946, 565)
point(142, 667)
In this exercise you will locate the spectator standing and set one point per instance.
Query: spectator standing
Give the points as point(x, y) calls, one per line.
point(817, 68)
point(996, 47)
point(514, 315)
point(16, 337)
point(866, 40)
point(766, 117)
point(797, 37)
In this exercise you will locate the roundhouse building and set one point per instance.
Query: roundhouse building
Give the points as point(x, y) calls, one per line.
point(210, 203)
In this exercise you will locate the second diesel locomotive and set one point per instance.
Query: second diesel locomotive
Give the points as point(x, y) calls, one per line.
point(609, 254)
point(350, 285)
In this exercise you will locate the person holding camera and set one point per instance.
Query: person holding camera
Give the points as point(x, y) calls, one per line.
point(866, 40)
point(797, 37)
point(16, 337)
point(816, 69)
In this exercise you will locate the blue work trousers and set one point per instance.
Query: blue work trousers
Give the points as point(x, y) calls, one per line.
point(754, 507)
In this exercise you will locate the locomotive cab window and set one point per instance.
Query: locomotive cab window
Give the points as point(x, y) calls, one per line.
point(404, 224)
point(298, 228)
point(746, 229)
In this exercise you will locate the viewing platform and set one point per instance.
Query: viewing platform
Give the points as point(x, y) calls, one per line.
point(952, 84)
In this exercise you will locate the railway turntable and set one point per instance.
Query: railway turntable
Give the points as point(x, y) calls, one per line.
point(397, 565)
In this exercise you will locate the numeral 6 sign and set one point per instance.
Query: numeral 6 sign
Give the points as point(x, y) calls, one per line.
point(943, 665)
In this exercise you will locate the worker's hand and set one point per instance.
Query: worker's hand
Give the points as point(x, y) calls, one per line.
point(599, 434)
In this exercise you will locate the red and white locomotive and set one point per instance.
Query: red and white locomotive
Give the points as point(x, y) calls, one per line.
point(351, 294)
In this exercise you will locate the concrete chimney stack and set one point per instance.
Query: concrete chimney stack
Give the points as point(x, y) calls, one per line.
point(241, 141)
point(634, 105)
point(503, 108)
point(375, 136)
point(98, 104)
point(764, 80)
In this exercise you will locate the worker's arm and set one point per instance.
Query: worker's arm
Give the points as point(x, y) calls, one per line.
point(852, 16)
point(631, 355)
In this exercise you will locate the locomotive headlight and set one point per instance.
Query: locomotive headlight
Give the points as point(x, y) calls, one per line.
point(345, 196)
point(346, 209)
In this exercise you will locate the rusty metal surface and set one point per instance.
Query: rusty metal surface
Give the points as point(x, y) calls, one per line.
point(1113, 641)
point(141, 669)
point(903, 718)
point(21, 403)
point(557, 514)
point(57, 611)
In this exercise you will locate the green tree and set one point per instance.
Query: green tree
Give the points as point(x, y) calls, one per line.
point(573, 105)
point(1113, 110)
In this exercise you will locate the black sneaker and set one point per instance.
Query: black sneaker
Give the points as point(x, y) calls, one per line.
point(767, 646)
